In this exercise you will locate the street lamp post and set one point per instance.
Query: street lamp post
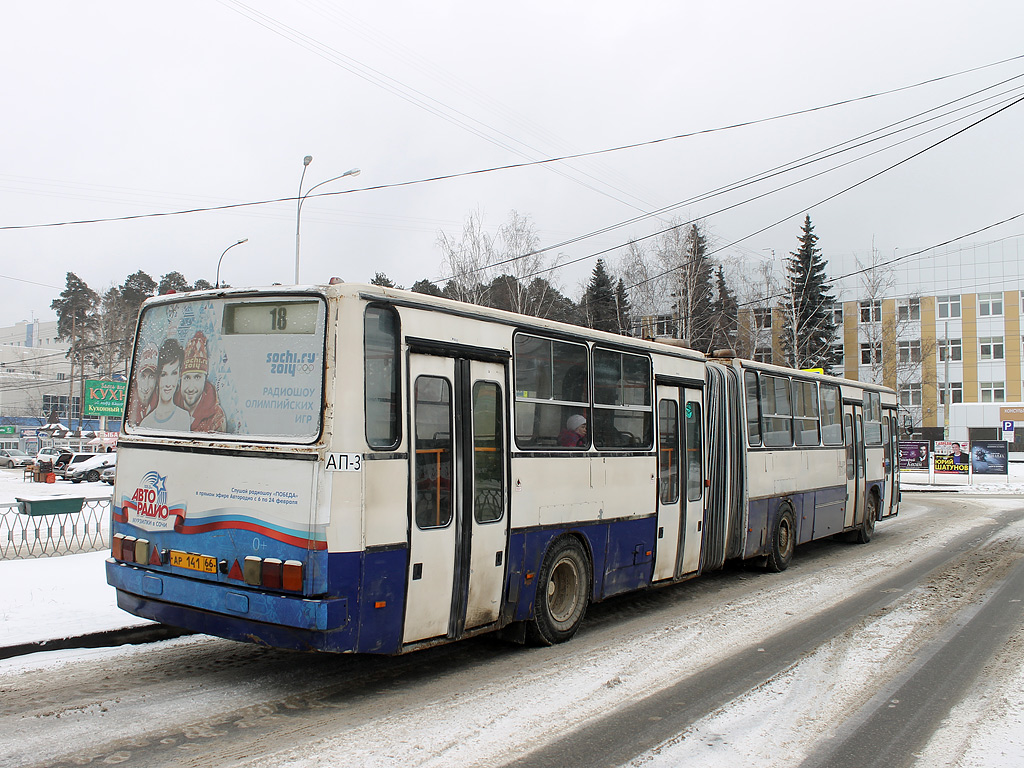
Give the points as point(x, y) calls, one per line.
point(246, 240)
point(301, 197)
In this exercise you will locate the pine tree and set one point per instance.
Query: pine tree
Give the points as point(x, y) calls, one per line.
point(382, 280)
point(809, 326)
point(599, 301)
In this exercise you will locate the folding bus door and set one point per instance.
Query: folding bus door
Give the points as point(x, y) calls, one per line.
point(680, 485)
point(853, 435)
point(458, 531)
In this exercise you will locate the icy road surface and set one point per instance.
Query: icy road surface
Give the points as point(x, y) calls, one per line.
point(834, 659)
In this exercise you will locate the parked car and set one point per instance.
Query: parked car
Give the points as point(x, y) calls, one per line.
point(107, 475)
point(67, 460)
point(89, 470)
point(12, 457)
point(49, 454)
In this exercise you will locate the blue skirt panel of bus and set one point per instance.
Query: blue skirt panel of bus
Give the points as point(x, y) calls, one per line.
point(817, 514)
point(621, 552)
point(365, 615)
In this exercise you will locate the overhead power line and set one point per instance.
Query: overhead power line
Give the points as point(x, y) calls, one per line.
point(500, 168)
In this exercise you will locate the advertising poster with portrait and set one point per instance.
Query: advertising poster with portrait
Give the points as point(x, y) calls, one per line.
point(951, 458)
point(244, 367)
point(989, 457)
point(913, 455)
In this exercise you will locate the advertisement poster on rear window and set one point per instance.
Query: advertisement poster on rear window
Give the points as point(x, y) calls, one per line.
point(913, 455)
point(951, 458)
point(246, 366)
point(989, 457)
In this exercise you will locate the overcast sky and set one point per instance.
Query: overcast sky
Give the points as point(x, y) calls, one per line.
point(120, 108)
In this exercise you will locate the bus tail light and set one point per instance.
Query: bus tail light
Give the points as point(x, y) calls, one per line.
point(128, 549)
point(252, 570)
point(116, 546)
point(291, 576)
point(272, 573)
point(142, 551)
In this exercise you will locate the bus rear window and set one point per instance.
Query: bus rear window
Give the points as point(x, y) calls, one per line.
point(235, 367)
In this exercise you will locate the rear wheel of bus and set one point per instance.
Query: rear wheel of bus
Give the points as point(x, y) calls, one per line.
point(563, 593)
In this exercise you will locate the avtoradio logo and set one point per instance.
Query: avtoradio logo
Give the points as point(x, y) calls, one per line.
point(148, 506)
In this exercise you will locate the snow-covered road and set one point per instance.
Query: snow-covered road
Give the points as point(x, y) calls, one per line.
point(204, 701)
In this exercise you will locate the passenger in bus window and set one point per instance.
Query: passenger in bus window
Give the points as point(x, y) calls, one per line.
point(198, 394)
point(167, 415)
point(144, 386)
point(575, 433)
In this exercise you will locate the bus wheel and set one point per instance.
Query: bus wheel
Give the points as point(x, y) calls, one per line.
point(783, 542)
point(563, 593)
point(867, 526)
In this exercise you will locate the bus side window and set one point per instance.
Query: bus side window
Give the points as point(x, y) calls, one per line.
point(551, 386)
point(776, 411)
point(694, 453)
point(668, 452)
point(753, 409)
point(433, 396)
point(380, 378)
point(850, 464)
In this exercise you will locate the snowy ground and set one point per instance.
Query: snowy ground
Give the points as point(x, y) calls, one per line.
point(550, 691)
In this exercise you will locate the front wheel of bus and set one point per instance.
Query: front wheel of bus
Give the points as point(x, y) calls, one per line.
point(783, 542)
point(563, 593)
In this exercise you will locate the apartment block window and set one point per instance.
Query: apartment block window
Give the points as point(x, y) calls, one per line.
point(990, 304)
point(910, 395)
point(993, 391)
point(908, 309)
point(61, 377)
point(949, 306)
point(837, 315)
point(763, 354)
point(762, 317)
point(956, 393)
point(955, 350)
point(871, 311)
point(910, 351)
point(992, 348)
point(870, 352)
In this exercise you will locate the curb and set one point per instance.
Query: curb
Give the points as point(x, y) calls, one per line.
point(109, 639)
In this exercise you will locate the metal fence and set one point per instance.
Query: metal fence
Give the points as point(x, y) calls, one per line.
point(46, 535)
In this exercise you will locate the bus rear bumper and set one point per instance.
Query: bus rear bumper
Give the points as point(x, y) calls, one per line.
point(154, 589)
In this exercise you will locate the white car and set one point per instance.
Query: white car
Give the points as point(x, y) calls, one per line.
point(90, 469)
point(12, 457)
point(107, 475)
point(48, 454)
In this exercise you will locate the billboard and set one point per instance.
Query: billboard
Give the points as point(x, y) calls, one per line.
point(913, 455)
point(951, 458)
point(105, 398)
point(989, 457)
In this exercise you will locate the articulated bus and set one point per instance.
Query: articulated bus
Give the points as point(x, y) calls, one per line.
point(353, 468)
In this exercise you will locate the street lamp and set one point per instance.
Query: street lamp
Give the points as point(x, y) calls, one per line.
point(301, 197)
point(246, 240)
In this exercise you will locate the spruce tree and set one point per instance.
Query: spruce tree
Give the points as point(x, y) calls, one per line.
point(599, 301)
point(809, 327)
point(725, 311)
point(623, 308)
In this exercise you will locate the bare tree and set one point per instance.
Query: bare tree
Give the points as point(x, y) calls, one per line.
point(504, 264)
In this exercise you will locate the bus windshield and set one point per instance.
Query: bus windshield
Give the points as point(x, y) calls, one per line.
point(248, 367)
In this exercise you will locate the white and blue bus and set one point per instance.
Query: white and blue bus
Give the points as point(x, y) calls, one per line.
point(353, 468)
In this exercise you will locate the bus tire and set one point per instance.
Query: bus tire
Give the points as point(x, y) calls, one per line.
point(783, 543)
point(563, 593)
point(867, 525)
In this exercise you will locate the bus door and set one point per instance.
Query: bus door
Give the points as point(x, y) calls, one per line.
point(890, 463)
point(853, 431)
point(458, 531)
point(680, 482)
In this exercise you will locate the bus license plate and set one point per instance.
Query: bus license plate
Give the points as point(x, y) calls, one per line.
point(201, 563)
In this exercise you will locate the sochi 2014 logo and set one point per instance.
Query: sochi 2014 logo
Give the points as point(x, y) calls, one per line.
point(148, 508)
